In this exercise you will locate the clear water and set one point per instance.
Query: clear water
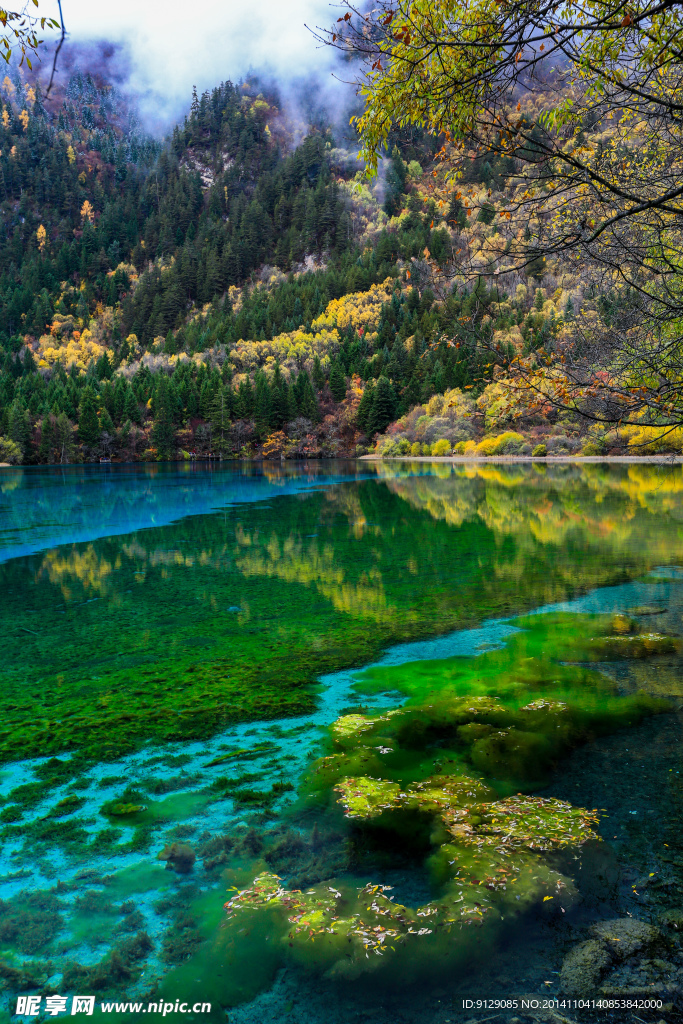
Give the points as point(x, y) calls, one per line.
point(177, 642)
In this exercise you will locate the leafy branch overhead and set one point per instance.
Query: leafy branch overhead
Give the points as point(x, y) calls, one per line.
point(19, 32)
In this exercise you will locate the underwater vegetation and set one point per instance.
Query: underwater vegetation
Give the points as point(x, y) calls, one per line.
point(174, 632)
point(152, 647)
point(448, 777)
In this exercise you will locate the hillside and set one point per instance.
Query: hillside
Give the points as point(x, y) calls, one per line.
point(231, 292)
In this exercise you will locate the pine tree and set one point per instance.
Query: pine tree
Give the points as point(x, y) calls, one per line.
point(263, 409)
point(64, 439)
point(220, 419)
point(131, 409)
point(19, 428)
point(383, 407)
point(47, 439)
point(365, 407)
point(306, 399)
point(163, 432)
point(88, 424)
point(106, 422)
point(337, 383)
point(318, 375)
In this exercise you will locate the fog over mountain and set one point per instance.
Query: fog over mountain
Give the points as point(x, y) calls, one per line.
point(157, 51)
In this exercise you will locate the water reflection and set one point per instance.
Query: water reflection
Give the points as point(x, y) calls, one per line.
point(163, 634)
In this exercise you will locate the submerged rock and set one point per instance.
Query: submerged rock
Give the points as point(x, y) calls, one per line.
point(179, 857)
point(583, 967)
point(624, 936)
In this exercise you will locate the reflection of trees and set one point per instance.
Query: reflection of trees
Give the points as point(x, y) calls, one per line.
point(219, 615)
point(86, 567)
point(574, 509)
point(292, 561)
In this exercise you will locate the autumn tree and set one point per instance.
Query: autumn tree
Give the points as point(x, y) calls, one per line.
point(584, 102)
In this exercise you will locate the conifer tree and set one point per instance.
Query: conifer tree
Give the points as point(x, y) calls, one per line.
point(131, 409)
point(19, 428)
point(365, 407)
point(337, 383)
point(47, 439)
point(306, 399)
point(88, 424)
point(64, 439)
point(383, 406)
point(163, 433)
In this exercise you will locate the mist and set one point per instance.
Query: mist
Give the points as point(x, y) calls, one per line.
point(155, 52)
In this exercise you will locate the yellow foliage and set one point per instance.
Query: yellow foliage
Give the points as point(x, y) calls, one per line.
point(41, 235)
point(87, 211)
point(359, 309)
point(77, 350)
point(5, 118)
point(497, 444)
point(441, 447)
point(24, 118)
point(292, 350)
point(8, 88)
point(71, 156)
point(651, 440)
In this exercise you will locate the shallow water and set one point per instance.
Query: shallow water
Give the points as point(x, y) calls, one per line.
point(178, 643)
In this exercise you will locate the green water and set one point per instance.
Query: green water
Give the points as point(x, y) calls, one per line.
point(189, 720)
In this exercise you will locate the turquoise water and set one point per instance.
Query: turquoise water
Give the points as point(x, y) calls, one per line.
point(178, 641)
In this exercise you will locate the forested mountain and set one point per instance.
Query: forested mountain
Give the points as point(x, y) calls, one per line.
point(228, 291)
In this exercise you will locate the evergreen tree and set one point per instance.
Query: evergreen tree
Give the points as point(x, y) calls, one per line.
point(47, 438)
point(318, 375)
point(64, 439)
point(306, 400)
point(383, 407)
point(365, 407)
point(19, 428)
point(163, 432)
point(88, 424)
point(131, 409)
point(337, 383)
point(262, 405)
point(106, 422)
point(220, 419)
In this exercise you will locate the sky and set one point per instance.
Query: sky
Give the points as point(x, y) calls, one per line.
point(173, 46)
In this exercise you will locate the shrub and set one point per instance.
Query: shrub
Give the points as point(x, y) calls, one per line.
point(647, 440)
point(10, 451)
point(540, 451)
point(403, 446)
point(590, 448)
point(459, 448)
point(441, 447)
point(510, 440)
point(416, 448)
point(426, 449)
point(361, 449)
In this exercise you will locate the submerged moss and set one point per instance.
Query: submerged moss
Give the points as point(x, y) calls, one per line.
point(508, 715)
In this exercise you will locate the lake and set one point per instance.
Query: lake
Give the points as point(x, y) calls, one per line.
point(342, 741)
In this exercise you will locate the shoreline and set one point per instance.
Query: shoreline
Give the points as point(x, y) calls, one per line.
point(544, 459)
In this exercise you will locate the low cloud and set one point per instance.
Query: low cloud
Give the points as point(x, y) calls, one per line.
point(156, 51)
